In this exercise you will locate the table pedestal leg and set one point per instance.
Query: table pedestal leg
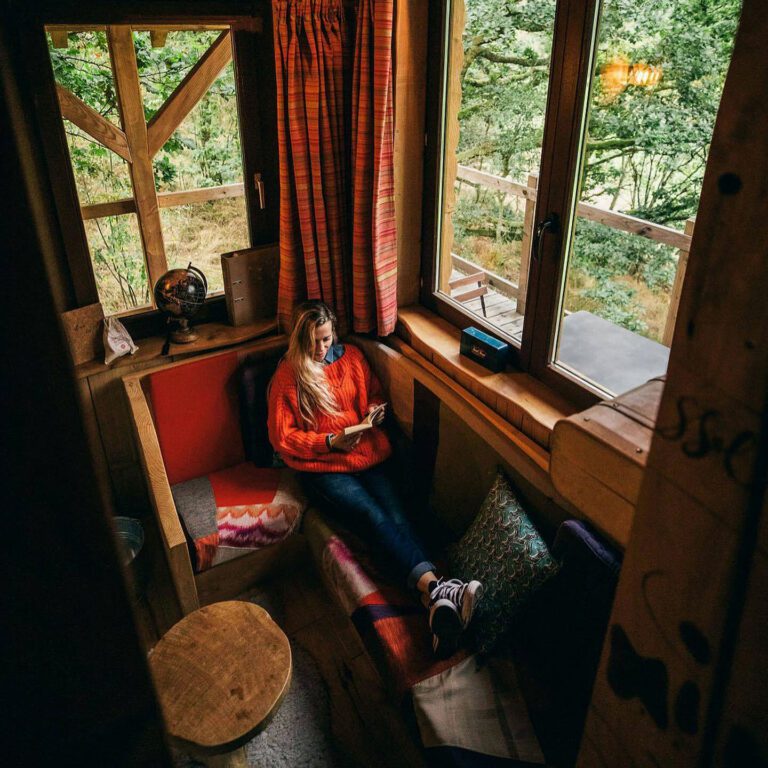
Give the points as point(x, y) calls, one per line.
point(234, 759)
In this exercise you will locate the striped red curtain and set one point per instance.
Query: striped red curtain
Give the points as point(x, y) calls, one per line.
point(335, 137)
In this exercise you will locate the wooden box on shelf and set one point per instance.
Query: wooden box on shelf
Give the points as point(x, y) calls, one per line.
point(250, 283)
point(83, 329)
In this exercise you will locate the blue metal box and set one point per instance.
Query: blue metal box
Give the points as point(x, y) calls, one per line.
point(484, 349)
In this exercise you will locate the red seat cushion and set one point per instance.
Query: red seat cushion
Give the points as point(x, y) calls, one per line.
point(196, 416)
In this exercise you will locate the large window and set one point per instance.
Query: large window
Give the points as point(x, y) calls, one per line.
point(151, 120)
point(571, 139)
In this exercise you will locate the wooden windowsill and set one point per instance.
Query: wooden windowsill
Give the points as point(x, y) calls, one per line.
point(211, 336)
point(523, 401)
point(596, 458)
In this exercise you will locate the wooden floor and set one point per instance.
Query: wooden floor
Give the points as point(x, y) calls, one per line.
point(368, 730)
point(501, 311)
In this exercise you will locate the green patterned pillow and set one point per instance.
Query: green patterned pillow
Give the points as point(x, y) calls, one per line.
point(504, 551)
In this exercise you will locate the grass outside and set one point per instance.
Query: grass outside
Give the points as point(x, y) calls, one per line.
point(192, 233)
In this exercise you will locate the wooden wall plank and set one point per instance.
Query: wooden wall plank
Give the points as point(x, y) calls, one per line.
point(188, 92)
point(684, 610)
point(74, 676)
point(126, 76)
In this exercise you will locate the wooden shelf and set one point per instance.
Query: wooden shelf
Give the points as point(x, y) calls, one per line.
point(523, 401)
point(211, 336)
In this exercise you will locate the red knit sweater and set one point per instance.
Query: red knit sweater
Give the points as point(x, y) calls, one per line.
point(355, 387)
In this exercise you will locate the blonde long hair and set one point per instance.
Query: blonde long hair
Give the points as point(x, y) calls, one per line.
point(312, 388)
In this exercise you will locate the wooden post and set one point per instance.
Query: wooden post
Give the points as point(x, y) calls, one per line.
point(126, 76)
point(677, 287)
point(682, 679)
point(60, 38)
point(527, 242)
point(157, 38)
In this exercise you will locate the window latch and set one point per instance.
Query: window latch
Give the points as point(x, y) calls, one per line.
point(259, 184)
point(550, 224)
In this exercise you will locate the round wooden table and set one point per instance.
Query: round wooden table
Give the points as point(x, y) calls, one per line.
point(220, 674)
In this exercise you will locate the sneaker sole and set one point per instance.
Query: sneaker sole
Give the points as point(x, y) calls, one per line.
point(472, 597)
point(446, 626)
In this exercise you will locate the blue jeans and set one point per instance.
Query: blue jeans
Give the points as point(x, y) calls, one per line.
point(367, 503)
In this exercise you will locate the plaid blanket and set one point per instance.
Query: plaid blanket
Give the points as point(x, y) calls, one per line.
point(466, 714)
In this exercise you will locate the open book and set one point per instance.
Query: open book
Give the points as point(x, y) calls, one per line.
point(366, 423)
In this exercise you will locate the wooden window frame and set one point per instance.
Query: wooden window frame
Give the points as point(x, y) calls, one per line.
point(253, 59)
point(569, 83)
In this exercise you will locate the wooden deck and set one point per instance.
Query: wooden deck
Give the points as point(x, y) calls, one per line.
point(501, 311)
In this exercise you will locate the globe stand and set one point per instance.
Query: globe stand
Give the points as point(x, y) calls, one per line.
point(183, 334)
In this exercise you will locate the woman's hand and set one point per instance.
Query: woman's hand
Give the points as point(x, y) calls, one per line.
point(345, 443)
point(379, 417)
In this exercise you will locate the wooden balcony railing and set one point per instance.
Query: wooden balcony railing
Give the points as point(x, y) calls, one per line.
point(621, 221)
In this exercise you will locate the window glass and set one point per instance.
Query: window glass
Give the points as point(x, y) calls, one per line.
point(197, 172)
point(83, 68)
point(658, 77)
point(118, 263)
point(201, 233)
point(496, 102)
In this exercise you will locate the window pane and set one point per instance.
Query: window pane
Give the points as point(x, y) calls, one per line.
point(496, 101)
point(658, 79)
point(83, 68)
point(201, 233)
point(118, 263)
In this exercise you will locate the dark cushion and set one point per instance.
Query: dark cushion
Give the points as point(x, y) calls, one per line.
point(255, 376)
point(558, 637)
point(503, 550)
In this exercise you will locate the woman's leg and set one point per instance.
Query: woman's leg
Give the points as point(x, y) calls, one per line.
point(346, 497)
point(463, 595)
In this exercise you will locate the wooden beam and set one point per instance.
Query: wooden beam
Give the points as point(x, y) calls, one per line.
point(189, 91)
point(60, 38)
point(691, 587)
point(161, 28)
point(157, 37)
point(677, 288)
point(622, 221)
point(164, 200)
point(95, 125)
point(172, 535)
point(125, 70)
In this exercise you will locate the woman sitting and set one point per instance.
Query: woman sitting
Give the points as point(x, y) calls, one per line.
point(320, 388)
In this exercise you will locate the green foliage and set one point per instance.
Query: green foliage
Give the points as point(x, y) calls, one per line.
point(614, 302)
point(603, 252)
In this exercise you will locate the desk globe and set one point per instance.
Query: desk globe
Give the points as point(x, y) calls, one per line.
point(180, 293)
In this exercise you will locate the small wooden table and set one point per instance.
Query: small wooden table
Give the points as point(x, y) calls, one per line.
point(220, 675)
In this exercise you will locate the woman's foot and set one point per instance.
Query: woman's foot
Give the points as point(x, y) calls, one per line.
point(446, 625)
point(464, 595)
point(451, 605)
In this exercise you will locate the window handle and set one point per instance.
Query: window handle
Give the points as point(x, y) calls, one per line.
point(259, 183)
point(550, 224)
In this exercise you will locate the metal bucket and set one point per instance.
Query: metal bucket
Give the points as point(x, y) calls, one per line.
point(130, 542)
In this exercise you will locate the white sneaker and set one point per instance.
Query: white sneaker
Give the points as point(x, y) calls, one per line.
point(464, 595)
